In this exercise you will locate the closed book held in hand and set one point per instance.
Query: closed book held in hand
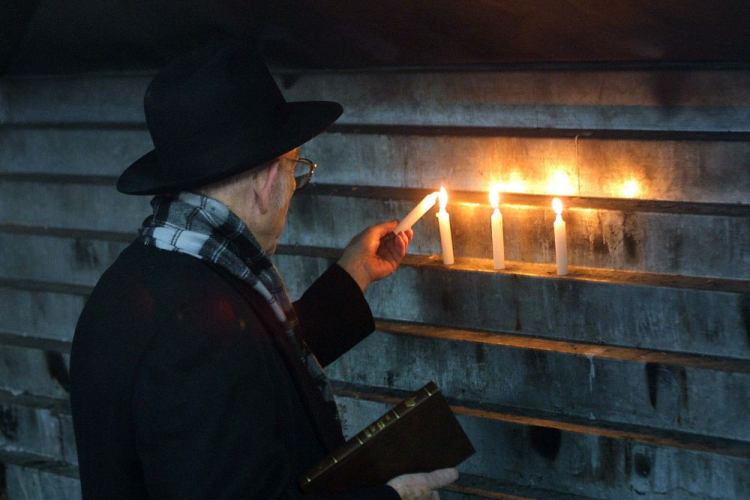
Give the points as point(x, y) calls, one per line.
point(420, 434)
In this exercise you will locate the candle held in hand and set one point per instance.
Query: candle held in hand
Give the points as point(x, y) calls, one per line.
point(407, 222)
point(446, 241)
point(561, 240)
point(498, 243)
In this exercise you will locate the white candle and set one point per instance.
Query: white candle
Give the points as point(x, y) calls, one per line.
point(561, 240)
point(407, 222)
point(498, 243)
point(446, 242)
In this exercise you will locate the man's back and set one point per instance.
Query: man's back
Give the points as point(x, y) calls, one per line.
point(161, 347)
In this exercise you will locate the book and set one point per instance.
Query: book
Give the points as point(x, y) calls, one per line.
point(420, 434)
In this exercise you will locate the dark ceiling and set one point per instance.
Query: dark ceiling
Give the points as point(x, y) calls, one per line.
point(53, 36)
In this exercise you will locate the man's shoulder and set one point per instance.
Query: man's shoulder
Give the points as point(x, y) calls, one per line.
point(166, 273)
point(148, 283)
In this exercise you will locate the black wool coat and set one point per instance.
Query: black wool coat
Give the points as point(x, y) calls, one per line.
point(184, 387)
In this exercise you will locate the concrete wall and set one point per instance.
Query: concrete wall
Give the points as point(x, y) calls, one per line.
point(627, 378)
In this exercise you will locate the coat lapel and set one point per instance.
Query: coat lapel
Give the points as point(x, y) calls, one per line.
point(321, 412)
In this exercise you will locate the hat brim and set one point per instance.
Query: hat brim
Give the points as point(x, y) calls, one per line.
point(306, 119)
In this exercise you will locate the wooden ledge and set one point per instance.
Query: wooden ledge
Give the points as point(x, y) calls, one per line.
point(468, 198)
point(542, 271)
point(18, 339)
point(434, 263)
point(628, 354)
point(40, 463)
point(485, 487)
point(8, 398)
point(481, 198)
point(658, 437)
point(46, 287)
point(536, 133)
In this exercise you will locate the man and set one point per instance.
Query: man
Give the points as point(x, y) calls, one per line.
point(192, 374)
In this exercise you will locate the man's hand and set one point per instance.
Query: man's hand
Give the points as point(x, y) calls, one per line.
point(375, 253)
point(422, 486)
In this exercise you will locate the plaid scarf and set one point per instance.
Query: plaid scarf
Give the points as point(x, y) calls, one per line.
point(206, 229)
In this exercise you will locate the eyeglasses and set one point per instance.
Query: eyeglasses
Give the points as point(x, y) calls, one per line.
point(303, 172)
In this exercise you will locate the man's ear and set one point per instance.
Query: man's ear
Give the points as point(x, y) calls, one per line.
point(263, 186)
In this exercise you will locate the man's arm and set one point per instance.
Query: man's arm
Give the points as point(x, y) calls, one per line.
point(333, 313)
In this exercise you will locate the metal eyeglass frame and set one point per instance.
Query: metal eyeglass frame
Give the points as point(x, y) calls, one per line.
point(303, 181)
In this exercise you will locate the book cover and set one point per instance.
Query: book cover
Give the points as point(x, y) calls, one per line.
point(420, 434)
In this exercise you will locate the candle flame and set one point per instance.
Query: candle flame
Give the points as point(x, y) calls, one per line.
point(630, 189)
point(557, 206)
point(495, 196)
point(443, 197)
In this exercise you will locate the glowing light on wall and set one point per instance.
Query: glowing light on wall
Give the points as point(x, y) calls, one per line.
point(560, 183)
point(514, 184)
point(630, 189)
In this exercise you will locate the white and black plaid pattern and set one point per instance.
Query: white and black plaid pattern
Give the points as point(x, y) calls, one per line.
point(205, 228)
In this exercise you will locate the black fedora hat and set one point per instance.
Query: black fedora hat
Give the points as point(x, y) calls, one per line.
point(215, 113)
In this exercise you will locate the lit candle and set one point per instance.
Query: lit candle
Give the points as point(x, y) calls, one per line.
point(446, 242)
point(498, 245)
point(561, 240)
point(407, 222)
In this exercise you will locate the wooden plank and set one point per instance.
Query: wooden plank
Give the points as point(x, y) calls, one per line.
point(590, 465)
point(74, 98)
point(35, 372)
point(586, 99)
point(591, 351)
point(709, 240)
point(70, 203)
point(89, 151)
point(42, 479)
point(76, 260)
point(35, 461)
point(590, 389)
point(42, 432)
point(678, 239)
point(552, 420)
point(470, 487)
point(679, 314)
point(677, 170)
point(484, 266)
point(38, 313)
point(653, 311)
point(668, 100)
point(96, 250)
point(713, 172)
point(19, 339)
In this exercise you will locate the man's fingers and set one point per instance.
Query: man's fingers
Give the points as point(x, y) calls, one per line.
point(441, 477)
point(397, 247)
point(385, 227)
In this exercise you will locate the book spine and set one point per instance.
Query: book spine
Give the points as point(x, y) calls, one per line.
point(372, 430)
